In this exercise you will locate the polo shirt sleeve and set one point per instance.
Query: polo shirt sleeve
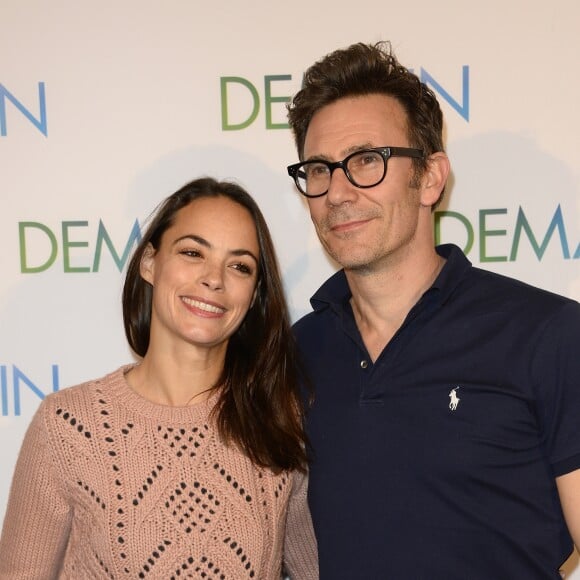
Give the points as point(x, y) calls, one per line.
point(556, 372)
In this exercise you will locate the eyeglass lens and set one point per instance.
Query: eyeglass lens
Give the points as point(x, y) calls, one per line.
point(364, 169)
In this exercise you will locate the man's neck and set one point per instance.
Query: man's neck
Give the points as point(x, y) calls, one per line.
point(382, 297)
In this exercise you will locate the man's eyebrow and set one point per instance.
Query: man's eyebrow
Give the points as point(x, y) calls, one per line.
point(345, 152)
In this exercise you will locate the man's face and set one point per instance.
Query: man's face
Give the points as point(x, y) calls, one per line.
point(361, 228)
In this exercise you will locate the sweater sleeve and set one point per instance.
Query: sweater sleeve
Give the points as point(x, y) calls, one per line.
point(300, 549)
point(37, 522)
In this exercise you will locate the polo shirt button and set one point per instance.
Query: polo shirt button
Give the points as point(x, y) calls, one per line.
point(364, 364)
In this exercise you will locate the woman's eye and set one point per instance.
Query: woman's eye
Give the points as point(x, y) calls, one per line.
point(242, 268)
point(190, 253)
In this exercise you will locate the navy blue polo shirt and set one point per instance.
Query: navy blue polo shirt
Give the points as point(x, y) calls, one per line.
point(438, 461)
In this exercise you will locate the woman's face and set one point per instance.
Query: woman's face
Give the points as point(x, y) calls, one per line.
point(203, 274)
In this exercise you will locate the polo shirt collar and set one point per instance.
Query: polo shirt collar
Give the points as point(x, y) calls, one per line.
point(335, 292)
point(456, 268)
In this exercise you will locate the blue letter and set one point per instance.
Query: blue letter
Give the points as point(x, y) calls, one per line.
point(18, 376)
point(4, 385)
point(463, 109)
point(103, 236)
point(557, 222)
point(40, 124)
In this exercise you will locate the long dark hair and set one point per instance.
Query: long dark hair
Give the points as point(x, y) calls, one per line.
point(259, 406)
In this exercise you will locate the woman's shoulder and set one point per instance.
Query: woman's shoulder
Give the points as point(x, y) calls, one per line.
point(72, 414)
point(85, 393)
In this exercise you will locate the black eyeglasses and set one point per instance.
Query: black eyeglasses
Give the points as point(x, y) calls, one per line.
point(364, 168)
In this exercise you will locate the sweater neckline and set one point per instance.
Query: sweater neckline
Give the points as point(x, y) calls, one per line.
point(123, 393)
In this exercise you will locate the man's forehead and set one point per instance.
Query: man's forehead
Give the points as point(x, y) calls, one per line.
point(353, 123)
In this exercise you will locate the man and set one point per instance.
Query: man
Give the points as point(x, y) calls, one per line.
point(445, 428)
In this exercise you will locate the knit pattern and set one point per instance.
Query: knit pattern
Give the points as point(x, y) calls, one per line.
point(109, 485)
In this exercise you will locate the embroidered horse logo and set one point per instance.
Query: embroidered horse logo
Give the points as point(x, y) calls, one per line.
point(454, 399)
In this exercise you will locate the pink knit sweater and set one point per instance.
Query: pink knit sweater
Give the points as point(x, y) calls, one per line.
point(109, 485)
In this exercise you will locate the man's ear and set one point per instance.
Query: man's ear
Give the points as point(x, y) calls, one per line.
point(147, 266)
point(434, 178)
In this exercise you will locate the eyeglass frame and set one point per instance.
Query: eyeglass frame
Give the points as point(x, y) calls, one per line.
point(386, 153)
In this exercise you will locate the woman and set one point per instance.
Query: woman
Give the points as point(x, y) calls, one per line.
point(188, 464)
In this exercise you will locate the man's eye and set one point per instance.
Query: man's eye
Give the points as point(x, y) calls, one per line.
point(366, 159)
point(314, 170)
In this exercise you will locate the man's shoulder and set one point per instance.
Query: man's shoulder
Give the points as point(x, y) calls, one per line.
point(462, 280)
point(504, 288)
point(309, 322)
point(483, 294)
point(314, 329)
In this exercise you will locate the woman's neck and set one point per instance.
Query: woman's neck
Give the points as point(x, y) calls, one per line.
point(169, 380)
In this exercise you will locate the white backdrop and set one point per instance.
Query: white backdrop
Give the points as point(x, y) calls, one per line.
point(108, 107)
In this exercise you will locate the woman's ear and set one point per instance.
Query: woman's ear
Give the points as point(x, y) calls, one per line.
point(147, 266)
point(434, 178)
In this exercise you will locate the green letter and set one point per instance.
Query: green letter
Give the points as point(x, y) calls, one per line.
point(483, 234)
point(268, 99)
point(462, 219)
point(24, 268)
point(66, 244)
point(226, 126)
